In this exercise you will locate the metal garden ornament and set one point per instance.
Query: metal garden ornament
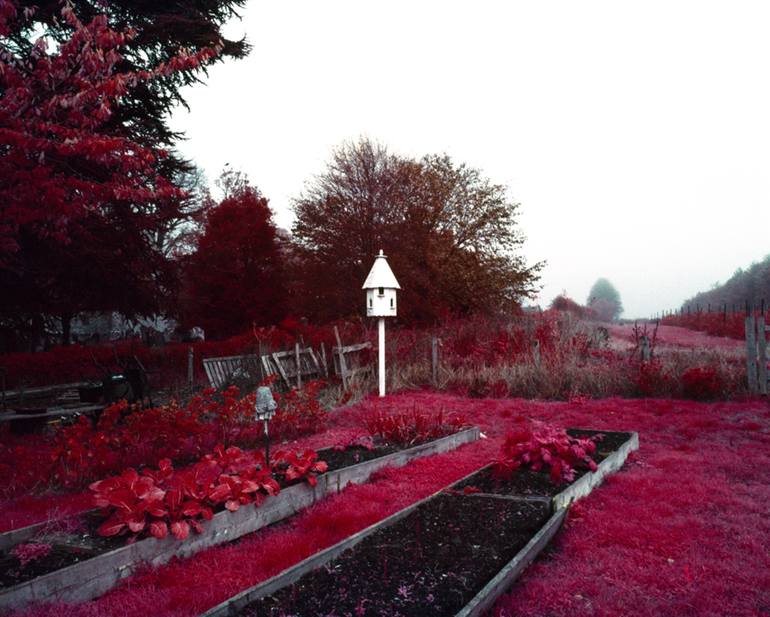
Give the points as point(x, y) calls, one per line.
point(264, 409)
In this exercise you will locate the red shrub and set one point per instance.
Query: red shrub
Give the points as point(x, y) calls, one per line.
point(412, 427)
point(84, 452)
point(702, 383)
point(651, 379)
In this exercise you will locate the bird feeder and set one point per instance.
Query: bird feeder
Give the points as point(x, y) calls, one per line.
point(381, 286)
point(264, 410)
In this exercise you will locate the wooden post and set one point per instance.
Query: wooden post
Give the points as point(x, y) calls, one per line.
point(299, 365)
point(751, 354)
point(343, 368)
point(323, 360)
point(190, 368)
point(644, 348)
point(434, 358)
point(762, 353)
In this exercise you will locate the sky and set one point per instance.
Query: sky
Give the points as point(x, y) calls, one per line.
point(634, 136)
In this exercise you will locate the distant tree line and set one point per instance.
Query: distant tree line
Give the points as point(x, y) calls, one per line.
point(750, 286)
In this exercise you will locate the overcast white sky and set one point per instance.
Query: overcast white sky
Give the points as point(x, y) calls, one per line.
point(636, 136)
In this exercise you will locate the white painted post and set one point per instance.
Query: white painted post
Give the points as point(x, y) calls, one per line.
point(381, 348)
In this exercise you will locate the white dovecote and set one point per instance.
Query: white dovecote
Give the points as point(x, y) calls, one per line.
point(381, 286)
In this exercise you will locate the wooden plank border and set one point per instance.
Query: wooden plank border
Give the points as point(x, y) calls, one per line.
point(485, 599)
point(478, 604)
point(234, 604)
point(584, 485)
point(93, 577)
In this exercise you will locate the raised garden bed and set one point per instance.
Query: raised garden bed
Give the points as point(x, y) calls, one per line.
point(101, 564)
point(432, 558)
point(450, 554)
point(612, 452)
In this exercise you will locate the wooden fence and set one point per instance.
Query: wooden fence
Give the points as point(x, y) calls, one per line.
point(756, 353)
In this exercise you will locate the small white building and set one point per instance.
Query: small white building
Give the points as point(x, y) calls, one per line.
point(381, 286)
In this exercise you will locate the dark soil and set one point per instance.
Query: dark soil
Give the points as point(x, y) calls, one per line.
point(525, 482)
point(432, 562)
point(521, 482)
point(339, 459)
point(11, 572)
point(610, 441)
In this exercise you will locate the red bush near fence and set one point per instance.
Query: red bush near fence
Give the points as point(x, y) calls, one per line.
point(167, 365)
point(731, 325)
point(702, 383)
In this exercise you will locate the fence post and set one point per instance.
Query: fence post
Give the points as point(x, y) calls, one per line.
point(299, 366)
point(762, 354)
point(644, 344)
point(434, 359)
point(343, 367)
point(323, 360)
point(751, 353)
point(190, 368)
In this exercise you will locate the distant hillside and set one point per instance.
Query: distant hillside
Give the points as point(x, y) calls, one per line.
point(751, 285)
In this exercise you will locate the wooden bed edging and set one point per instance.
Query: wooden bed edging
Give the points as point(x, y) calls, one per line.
point(485, 599)
point(476, 606)
point(234, 604)
point(90, 578)
point(584, 485)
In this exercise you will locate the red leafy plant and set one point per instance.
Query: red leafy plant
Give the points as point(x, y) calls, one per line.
point(299, 466)
point(30, 551)
point(542, 446)
point(411, 427)
point(161, 500)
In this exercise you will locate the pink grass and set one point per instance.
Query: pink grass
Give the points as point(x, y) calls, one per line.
point(681, 530)
point(676, 336)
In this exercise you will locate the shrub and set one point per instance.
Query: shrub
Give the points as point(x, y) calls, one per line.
point(129, 437)
point(702, 383)
point(412, 427)
point(541, 446)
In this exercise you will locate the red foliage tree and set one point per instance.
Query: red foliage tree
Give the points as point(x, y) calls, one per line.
point(234, 278)
point(70, 176)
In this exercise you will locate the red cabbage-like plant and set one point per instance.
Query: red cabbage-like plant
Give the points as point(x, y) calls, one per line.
point(299, 466)
point(541, 446)
point(161, 500)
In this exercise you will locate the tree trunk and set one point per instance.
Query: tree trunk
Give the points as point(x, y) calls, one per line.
point(66, 328)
